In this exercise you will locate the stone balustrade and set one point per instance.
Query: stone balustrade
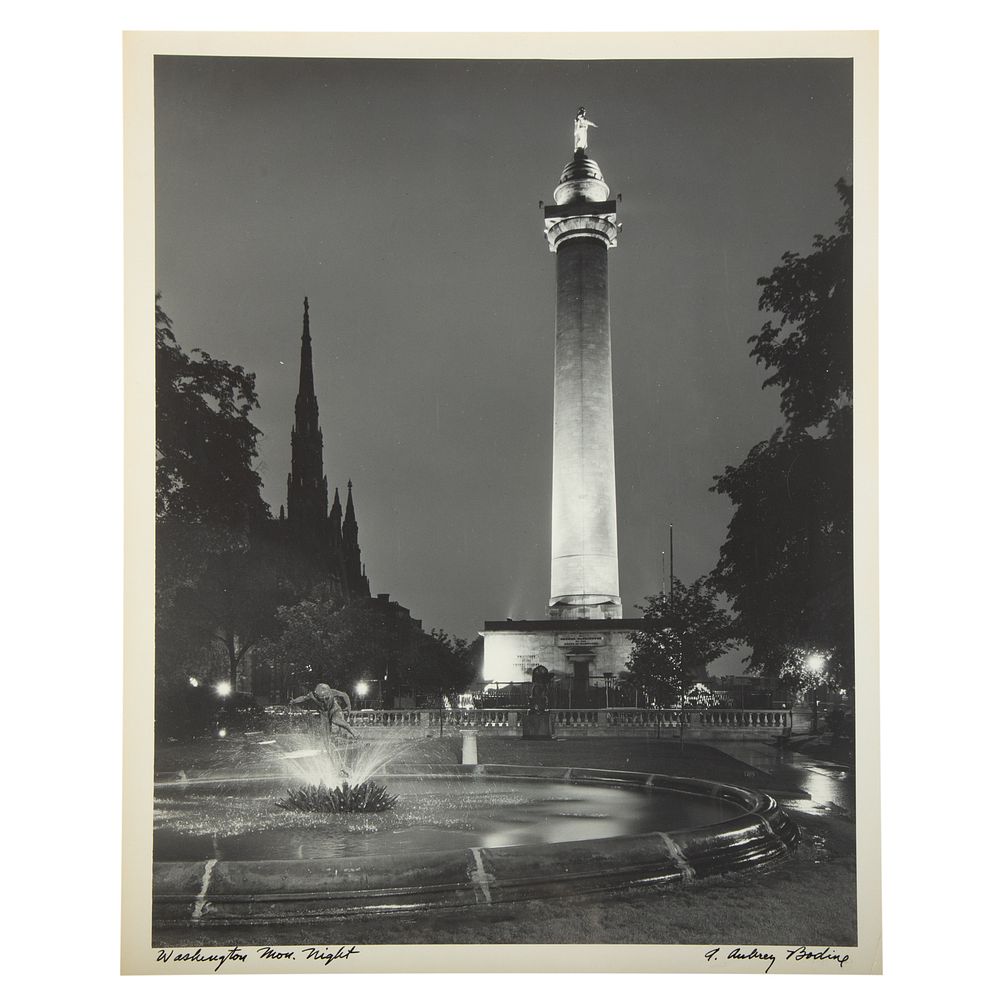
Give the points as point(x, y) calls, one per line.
point(432, 718)
point(693, 723)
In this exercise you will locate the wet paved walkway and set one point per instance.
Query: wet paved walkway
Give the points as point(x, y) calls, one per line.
point(830, 787)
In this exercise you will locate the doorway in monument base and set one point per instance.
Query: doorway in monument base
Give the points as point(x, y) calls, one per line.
point(581, 680)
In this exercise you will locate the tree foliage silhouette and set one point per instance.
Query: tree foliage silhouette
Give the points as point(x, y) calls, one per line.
point(344, 644)
point(787, 563)
point(211, 588)
point(206, 444)
point(686, 629)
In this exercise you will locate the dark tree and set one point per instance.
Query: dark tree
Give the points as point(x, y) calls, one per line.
point(808, 346)
point(443, 666)
point(344, 644)
point(211, 589)
point(232, 605)
point(786, 564)
point(326, 640)
point(686, 630)
point(206, 444)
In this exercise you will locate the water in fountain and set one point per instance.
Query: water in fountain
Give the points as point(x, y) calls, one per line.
point(318, 759)
point(337, 776)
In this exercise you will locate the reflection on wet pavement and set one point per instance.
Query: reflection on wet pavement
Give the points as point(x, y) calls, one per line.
point(830, 790)
point(830, 787)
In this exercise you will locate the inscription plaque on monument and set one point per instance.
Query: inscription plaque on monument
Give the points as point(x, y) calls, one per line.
point(581, 639)
point(523, 662)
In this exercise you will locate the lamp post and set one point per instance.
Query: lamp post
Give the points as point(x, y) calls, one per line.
point(815, 664)
point(361, 689)
point(223, 689)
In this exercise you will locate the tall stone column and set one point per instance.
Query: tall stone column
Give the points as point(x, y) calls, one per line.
point(580, 228)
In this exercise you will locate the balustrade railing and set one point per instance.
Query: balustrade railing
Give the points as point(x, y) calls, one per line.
point(611, 721)
point(431, 718)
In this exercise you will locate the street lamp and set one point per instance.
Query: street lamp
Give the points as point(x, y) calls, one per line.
point(223, 689)
point(815, 663)
point(361, 689)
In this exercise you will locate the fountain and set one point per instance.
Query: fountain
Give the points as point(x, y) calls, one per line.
point(229, 851)
point(345, 798)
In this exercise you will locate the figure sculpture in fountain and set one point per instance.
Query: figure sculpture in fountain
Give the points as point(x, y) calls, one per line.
point(336, 778)
point(580, 126)
point(331, 705)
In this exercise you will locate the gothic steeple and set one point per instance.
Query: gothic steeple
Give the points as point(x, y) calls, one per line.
point(350, 529)
point(352, 551)
point(336, 514)
point(306, 406)
point(306, 482)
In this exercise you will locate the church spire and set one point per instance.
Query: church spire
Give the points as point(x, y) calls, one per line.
point(306, 483)
point(336, 517)
point(352, 551)
point(306, 405)
point(349, 513)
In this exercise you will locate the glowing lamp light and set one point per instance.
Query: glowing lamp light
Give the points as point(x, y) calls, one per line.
point(193, 681)
point(361, 689)
point(222, 732)
point(223, 688)
point(815, 663)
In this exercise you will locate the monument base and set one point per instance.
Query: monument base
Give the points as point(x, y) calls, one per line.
point(581, 648)
point(537, 726)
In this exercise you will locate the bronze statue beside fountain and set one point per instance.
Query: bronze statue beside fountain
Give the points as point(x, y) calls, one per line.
point(537, 723)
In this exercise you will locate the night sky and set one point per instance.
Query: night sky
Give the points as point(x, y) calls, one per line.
point(402, 198)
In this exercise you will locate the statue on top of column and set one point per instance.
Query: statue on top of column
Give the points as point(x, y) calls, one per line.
point(580, 126)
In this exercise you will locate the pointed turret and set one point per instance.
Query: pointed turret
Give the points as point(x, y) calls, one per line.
point(349, 513)
point(306, 483)
point(306, 387)
point(349, 531)
point(336, 513)
point(335, 534)
point(352, 551)
point(306, 406)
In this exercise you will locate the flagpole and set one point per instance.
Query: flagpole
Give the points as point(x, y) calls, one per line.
point(671, 560)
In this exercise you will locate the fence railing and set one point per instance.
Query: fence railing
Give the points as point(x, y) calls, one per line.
point(705, 722)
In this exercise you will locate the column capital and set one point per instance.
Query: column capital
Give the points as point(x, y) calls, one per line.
point(595, 219)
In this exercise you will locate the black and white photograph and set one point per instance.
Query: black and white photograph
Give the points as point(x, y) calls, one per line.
point(509, 498)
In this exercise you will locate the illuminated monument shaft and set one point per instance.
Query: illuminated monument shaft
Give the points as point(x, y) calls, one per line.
point(584, 635)
point(580, 228)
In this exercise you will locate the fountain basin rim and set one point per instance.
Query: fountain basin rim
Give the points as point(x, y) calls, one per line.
point(231, 893)
point(749, 799)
